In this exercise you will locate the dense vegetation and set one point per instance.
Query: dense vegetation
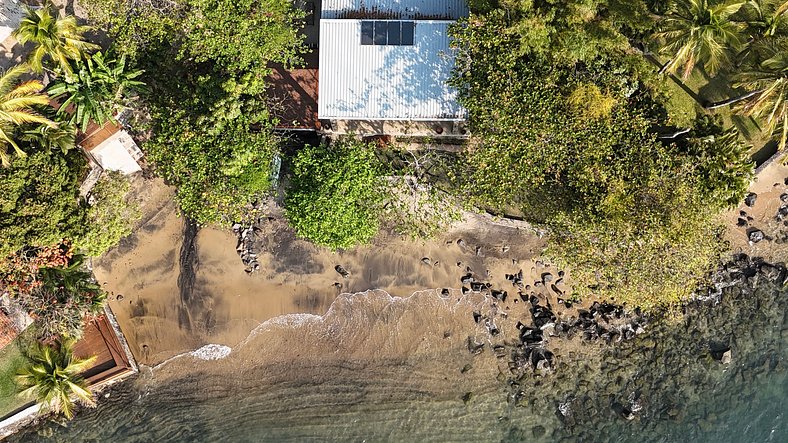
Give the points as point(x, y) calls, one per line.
point(43, 218)
point(206, 63)
point(567, 127)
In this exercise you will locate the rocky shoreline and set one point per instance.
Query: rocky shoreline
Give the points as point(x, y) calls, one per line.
point(649, 373)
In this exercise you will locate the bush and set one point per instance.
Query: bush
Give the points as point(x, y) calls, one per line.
point(66, 297)
point(335, 194)
point(39, 200)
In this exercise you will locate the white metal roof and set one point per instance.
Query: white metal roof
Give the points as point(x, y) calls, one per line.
point(368, 82)
point(410, 9)
point(11, 13)
point(118, 153)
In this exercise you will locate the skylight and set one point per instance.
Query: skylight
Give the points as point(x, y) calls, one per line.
point(387, 32)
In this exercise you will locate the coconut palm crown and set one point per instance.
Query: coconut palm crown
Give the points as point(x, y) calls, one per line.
point(16, 108)
point(700, 31)
point(770, 102)
point(53, 379)
point(59, 38)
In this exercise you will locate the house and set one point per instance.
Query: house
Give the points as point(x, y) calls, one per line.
point(381, 70)
point(110, 147)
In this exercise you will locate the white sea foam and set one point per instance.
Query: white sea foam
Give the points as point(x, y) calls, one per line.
point(211, 352)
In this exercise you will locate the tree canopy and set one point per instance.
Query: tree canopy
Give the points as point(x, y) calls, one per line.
point(39, 200)
point(572, 147)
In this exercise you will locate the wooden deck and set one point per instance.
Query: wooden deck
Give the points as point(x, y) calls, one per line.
point(293, 94)
point(99, 339)
point(95, 134)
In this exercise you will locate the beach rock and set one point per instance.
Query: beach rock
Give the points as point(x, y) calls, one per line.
point(466, 279)
point(500, 295)
point(477, 316)
point(479, 286)
point(474, 347)
point(119, 297)
point(547, 278)
point(531, 335)
point(491, 328)
point(784, 197)
point(342, 271)
point(461, 243)
point(772, 272)
point(426, 261)
point(741, 222)
point(755, 236)
point(750, 199)
point(726, 357)
point(782, 213)
point(467, 397)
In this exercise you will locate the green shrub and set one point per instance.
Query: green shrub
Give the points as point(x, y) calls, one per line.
point(335, 194)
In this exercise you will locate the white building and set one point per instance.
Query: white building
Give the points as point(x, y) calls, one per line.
point(384, 64)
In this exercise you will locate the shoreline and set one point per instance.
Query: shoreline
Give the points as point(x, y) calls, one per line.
point(216, 265)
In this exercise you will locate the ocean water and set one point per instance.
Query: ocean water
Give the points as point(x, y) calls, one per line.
point(380, 368)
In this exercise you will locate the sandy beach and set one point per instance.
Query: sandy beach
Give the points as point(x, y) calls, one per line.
point(169, 299)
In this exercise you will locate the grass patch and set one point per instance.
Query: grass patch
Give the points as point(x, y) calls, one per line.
point(708, 89)
point(11, 360)
point(682, 109)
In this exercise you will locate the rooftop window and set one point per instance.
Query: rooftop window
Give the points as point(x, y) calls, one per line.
point(387, 32)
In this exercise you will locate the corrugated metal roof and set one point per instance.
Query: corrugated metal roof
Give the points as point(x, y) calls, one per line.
point(367, 82)
point(404, 9)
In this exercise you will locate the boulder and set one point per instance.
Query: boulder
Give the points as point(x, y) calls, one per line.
point(750, 199)
point(342, 271)
point(782, 213)
point(755, 236)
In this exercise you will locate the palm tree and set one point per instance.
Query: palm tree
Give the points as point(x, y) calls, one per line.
point(765, 18)
point(769, 82)
point(53, 379)
point(700, 31)
point(16, 108)
point(60, 38)
point(62, 137)
point(96, 90)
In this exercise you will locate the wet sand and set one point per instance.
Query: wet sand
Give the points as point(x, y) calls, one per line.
point(171, 299)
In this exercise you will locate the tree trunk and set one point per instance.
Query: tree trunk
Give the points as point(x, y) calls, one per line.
point(731, 101)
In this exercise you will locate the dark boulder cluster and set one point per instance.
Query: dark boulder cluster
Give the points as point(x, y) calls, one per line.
point(659, 384)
